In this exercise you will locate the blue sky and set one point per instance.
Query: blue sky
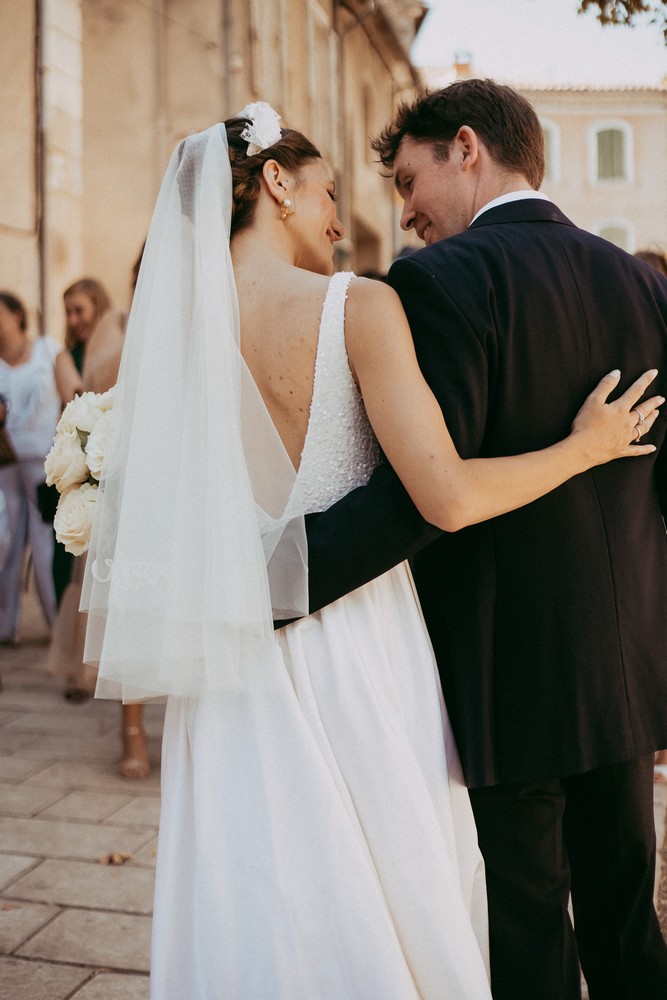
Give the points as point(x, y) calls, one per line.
point(540, 42)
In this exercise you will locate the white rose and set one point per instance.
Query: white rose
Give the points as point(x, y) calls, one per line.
point(74, 518)
point(105, 399)
point(65, 464)
point(82, 412)
point(96, 445)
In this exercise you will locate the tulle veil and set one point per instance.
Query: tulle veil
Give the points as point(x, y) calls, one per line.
point(198, 540)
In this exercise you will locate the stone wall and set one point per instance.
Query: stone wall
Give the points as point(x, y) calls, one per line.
point(94, 94)
point(19, 191)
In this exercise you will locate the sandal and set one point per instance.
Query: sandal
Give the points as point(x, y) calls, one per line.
point(660, 774)
point(134, 762)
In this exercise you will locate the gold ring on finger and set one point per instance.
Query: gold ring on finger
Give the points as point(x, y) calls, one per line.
point(638, 428)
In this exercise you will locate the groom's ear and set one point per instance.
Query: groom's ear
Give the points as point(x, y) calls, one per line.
point(466, 147)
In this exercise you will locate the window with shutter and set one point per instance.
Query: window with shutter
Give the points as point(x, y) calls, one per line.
point(611, 154)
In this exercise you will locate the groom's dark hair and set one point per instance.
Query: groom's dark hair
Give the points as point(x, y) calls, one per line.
point(504, 120)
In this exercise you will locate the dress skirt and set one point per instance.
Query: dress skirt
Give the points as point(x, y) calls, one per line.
point(316, 840)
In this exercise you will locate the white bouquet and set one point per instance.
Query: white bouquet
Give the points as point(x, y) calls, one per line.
point(74, 466)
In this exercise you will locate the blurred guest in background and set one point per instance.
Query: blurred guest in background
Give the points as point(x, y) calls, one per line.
point(86, 302)
point(104, 346)
point(28, 386)
point(656, 258)
point(7, 455)
point(4, 530)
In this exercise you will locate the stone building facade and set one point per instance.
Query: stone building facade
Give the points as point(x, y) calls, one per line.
point(606, 152)
point(94, 94)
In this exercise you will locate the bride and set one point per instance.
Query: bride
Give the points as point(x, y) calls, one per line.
point(316, 840)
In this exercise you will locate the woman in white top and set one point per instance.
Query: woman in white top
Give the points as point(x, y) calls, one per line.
point(27, 383)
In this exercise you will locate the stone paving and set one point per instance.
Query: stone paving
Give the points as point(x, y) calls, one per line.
point(71, 925)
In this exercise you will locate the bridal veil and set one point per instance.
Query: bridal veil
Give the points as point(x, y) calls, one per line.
point(198, 540)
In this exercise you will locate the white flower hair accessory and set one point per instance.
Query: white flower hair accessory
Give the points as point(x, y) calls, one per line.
point(264, 131)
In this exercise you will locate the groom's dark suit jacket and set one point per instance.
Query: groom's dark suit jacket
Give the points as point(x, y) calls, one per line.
point(549, 624)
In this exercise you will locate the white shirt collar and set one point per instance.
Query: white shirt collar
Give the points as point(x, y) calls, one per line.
point(504, 199)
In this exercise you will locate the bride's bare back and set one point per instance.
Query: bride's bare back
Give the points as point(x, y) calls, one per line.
point(279, 334)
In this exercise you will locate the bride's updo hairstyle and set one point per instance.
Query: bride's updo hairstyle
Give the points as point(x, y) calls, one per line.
point(292, 151)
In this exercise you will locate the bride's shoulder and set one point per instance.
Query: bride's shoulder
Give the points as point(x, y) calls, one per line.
point(374, 319)
point(366, 294)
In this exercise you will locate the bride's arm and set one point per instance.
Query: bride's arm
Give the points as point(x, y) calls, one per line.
point(449, 491)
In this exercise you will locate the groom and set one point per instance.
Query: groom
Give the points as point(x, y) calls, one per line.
point(549, 624)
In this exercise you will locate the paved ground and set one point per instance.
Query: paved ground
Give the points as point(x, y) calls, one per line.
point(72, 925)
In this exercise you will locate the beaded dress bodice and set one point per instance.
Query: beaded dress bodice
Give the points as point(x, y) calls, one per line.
point(340, 450)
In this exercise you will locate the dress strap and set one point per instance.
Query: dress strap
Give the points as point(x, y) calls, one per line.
point(332, 321)
point(331, 363)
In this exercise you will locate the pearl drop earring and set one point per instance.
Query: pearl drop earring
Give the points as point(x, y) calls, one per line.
point(285, 209)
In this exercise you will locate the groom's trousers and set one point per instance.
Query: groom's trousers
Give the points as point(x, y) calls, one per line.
point(592, 834)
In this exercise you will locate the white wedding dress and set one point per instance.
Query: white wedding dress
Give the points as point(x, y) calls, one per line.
point(316, 840)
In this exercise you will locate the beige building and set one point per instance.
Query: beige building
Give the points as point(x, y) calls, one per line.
point(94, 94)
point(606, 152)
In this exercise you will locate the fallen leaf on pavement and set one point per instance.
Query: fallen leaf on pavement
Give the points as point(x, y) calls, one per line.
point(114, 859)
